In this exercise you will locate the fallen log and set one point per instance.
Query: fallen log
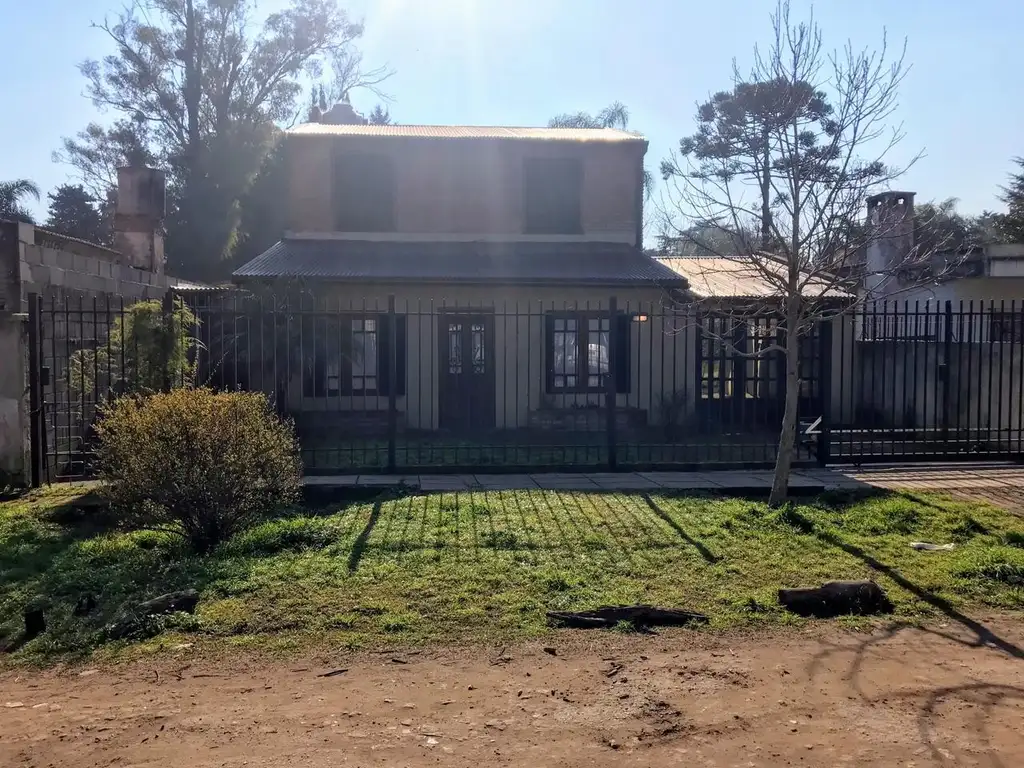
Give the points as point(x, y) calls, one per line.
point(133, 620)
point(638, 615)
point(836, 598)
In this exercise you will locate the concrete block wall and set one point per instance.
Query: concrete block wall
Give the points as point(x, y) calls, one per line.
point(58, 269)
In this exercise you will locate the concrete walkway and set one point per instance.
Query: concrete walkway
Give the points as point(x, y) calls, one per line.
point(1001, 482)
point(755, 481)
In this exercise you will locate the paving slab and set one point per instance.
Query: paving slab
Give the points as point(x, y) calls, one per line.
point(378, 480)
point(565, 483)
point(506, 482)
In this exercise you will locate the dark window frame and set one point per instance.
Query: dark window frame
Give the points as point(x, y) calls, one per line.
point(619, 334)
point(538, 218)
point(321, 332)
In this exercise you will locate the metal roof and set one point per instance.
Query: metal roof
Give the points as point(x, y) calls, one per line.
point(473, 262)
point(467, 132)
point(724, 276)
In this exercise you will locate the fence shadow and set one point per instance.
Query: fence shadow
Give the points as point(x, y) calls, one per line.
point(710, 557)
point(359, 545)
point(983, 635)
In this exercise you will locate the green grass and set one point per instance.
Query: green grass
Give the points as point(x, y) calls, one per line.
point(469, 567)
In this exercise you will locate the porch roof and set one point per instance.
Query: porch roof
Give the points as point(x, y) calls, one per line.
point(575, 263)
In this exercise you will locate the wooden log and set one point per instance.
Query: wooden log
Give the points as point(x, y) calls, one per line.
point(836, 598)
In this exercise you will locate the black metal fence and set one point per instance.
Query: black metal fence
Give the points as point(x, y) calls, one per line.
point(417, 386)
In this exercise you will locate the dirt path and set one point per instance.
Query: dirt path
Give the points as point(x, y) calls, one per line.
point(824, 697)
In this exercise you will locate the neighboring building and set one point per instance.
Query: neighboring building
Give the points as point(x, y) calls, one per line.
point(502, 247)
point(894, 269)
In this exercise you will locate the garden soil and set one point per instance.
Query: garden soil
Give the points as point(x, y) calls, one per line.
point(822, 696)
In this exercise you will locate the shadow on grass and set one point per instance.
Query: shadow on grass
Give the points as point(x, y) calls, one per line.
point(64, 552)
point(983, 635)
point(706, 553)
point(359, 545)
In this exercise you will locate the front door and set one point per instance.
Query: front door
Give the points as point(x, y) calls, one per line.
point(467, 396)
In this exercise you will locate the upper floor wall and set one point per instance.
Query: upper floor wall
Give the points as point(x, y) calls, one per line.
point(356, 179)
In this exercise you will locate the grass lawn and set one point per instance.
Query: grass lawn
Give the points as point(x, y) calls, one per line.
point(465, 567)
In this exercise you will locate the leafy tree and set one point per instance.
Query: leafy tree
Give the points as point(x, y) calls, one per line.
point(826, 118)
point(12, 193)
point(97, 152)
point(200, 87)
point(144, 351)
point(262, 206)
point(380, 116)
point(940, 227)
point(1011, 224)
point(75, 213)
point(615, 115)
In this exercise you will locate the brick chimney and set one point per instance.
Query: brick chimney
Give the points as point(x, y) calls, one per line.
point(139, 217)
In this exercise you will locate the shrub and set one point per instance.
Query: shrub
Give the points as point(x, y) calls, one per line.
point(201, 463)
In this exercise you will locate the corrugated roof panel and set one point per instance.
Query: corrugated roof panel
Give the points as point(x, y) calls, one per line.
point(534, 262)
point(724, 276)
point(467, 132)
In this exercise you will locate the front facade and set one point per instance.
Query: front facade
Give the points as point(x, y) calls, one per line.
point(502, 265)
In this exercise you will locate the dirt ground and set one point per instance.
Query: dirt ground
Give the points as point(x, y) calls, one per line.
point(897, 696)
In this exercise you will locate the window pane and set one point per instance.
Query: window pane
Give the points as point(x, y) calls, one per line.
point(565, 352)
point(597, 352)
point(478, 348)
point(364, 354)
point(455, 348)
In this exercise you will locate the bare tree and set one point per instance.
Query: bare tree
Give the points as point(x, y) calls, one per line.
point(785, 190)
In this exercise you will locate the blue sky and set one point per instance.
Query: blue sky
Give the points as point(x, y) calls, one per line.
point(518, 62)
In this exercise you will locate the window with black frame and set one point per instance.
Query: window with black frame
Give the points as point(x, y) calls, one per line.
point(349, 354)
point(579, 347)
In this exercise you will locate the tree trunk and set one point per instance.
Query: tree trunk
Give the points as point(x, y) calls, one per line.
point(787, 436)
point(766, 194)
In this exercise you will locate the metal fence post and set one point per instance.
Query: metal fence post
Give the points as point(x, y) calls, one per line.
point(392, 363)
point(825, 391)
point(168, 345)
point(611, 385)
point(35, 390)
point(945, 371)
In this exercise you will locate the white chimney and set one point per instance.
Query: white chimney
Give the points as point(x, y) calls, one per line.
point(139, 217)
point(891, 240)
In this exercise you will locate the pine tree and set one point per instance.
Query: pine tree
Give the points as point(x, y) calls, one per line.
point(1011, 224)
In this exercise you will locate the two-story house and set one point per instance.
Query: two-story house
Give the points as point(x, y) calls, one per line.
point(501, 249)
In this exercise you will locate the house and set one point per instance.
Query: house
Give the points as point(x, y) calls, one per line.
point(504, 266)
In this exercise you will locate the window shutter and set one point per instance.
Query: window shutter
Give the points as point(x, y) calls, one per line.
point(620, 327)
point(384, 353)
point(549, 353)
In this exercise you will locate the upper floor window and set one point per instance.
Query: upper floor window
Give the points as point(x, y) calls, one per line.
point(552, 190)
point(364, 192)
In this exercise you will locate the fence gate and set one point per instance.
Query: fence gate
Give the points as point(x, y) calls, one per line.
point(80, 354)
point(928, 381)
